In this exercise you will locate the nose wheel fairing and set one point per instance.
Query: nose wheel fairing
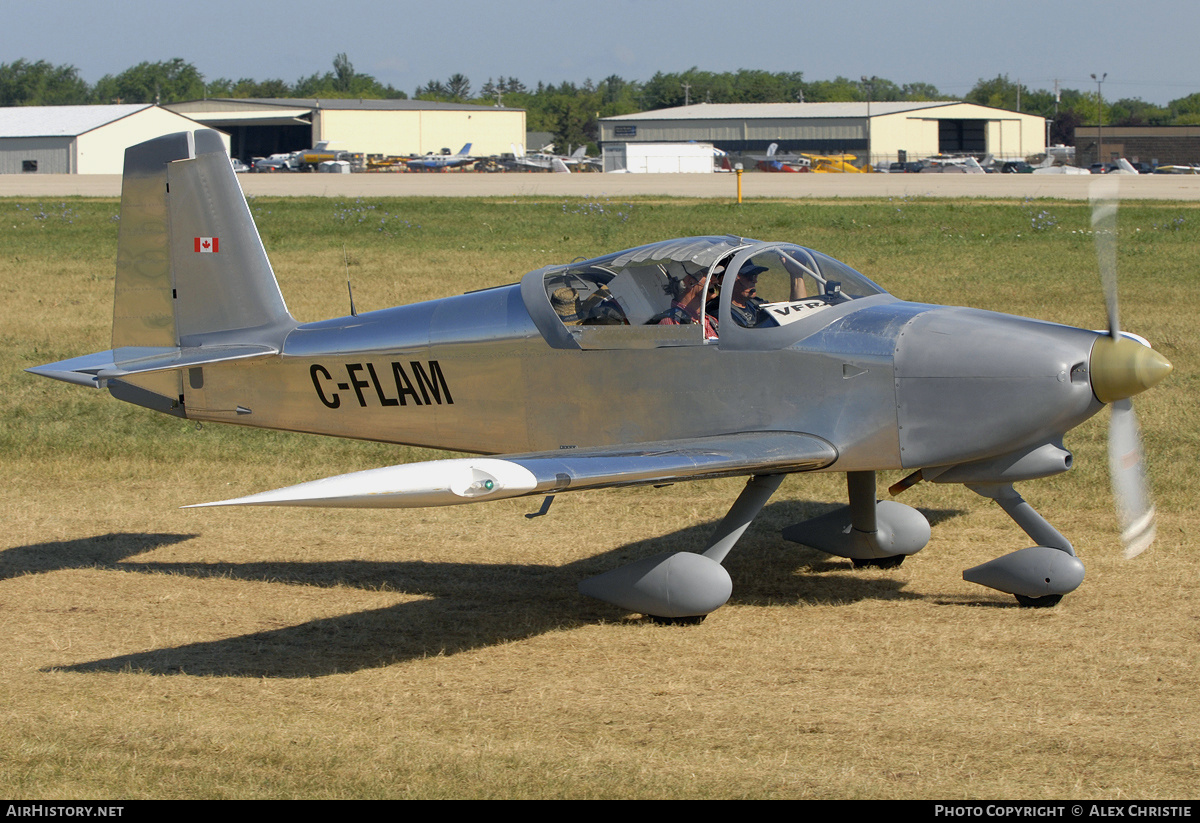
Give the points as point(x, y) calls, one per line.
point(1039, 575)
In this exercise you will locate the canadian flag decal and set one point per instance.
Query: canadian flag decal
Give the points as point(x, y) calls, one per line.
point(207, 245)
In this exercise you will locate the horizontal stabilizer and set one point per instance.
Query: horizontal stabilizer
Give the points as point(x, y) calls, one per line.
point(93, 369)
point(472, 479)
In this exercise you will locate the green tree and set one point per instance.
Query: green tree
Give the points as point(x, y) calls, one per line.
point(167, 82)
point(838, 90)
point(921, 92)
point(1185, 111)
point(999, 93)
point(40, 84)
point(344, 82)
point(434, 91)
point(459, 88)
point(877, 89)
point(247, 87)
point(1135, 112)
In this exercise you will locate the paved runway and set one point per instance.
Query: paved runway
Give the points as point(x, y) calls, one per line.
point(755, 185)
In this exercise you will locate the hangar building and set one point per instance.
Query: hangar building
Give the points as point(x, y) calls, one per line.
point(872, 131)
point(79, 139)
point(261, 127)
point(1158, 145)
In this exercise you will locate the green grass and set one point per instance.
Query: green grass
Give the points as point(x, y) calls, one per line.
point(57, 268)
point(153, 652)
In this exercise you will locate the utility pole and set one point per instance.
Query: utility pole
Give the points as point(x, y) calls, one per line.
point(869, 84)
point(1100, 116)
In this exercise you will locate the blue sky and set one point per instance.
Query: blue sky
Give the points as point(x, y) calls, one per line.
point(1151, 55)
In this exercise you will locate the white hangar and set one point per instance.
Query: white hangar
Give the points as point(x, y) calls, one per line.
point(261, 127)
point(872, 131)
point(79, 139)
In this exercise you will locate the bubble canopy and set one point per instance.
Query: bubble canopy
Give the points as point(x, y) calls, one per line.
point(658, 294)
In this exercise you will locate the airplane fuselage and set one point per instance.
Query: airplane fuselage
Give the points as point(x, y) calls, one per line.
point(893, 385)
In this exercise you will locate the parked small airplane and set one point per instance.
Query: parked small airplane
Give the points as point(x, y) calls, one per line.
point(571, 381)
point(441, 162)
point(536, 161)
point(837, 164)
point(939, 164)
point(547, 160)
point(318, 154)
point(774, 162)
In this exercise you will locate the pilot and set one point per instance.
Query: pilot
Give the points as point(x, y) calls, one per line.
point(688, 305)
point(744, 304)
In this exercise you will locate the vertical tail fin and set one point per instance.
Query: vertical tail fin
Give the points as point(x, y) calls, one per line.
point(194, 286)
point(191, 269)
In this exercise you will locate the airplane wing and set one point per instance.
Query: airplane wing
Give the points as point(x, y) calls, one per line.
point(470, 479)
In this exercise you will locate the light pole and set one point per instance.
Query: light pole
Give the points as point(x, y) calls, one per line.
point(869, 85)
point(1100, 116)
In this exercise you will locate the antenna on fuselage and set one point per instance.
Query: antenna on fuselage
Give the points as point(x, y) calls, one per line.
point(349, 290)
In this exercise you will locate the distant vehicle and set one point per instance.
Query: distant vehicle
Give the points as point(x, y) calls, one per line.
point(660, 158)
point(274, 163)
point(911, 167)
point(1120, 166)
point(238, 166)
point(1015, 167)
point(1177, 169)
point(441, 162)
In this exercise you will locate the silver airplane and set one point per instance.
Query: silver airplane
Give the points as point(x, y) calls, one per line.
point(570, 380)
point(546, 160)
point(441, 162)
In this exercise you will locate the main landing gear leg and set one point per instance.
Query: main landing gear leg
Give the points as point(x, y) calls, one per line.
point(754, 496)
point(1038, 576)
point(683, 587)
point(871, 532)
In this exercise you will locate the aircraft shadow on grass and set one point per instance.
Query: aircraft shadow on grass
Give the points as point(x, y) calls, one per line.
point(463, 606)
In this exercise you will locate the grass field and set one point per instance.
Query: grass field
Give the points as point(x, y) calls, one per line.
point(153, 652)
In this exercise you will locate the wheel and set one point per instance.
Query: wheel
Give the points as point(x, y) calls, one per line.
point(1043, 602)
point(690, 620)
point(892, 562)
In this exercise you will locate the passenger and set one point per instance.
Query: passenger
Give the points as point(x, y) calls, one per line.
point(566, 305)
point(688, 305)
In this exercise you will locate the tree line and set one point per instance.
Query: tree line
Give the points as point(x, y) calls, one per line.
point(572, 112)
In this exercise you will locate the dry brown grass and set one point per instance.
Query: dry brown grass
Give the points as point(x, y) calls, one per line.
point(165, 653)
